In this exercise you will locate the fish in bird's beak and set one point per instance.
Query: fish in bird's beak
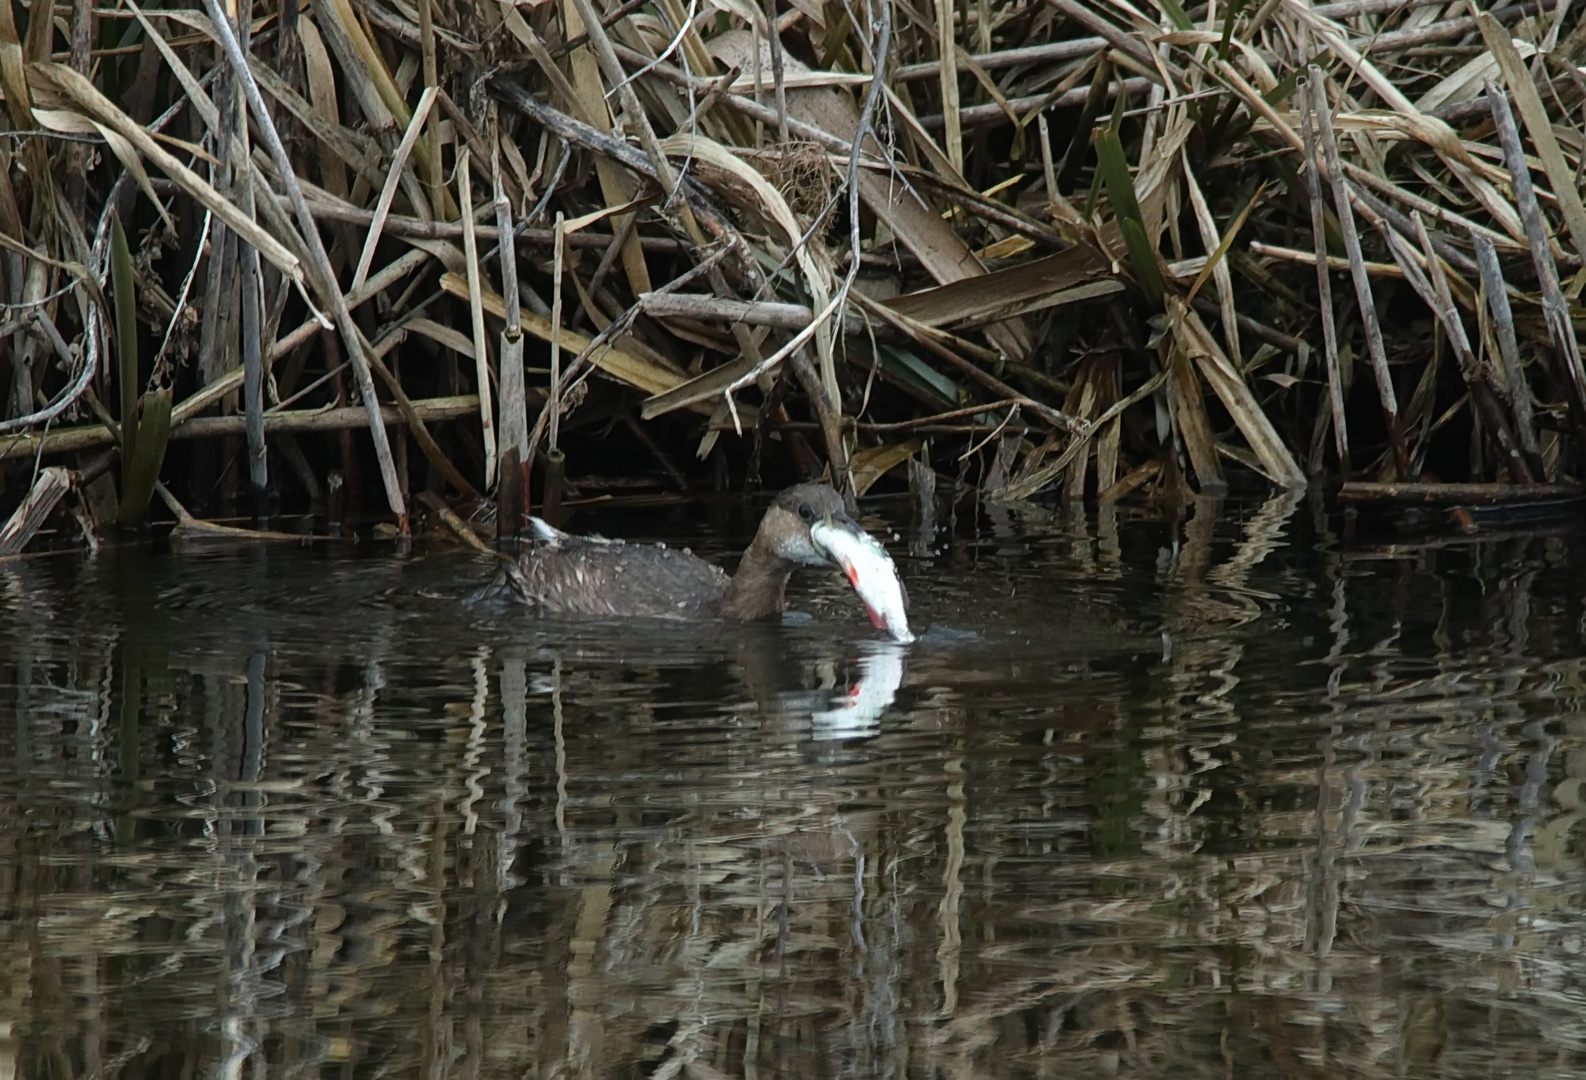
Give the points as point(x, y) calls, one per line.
point(870, 570)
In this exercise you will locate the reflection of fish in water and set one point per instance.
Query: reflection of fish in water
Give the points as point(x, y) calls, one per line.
point(858, 713)
point(871, 572)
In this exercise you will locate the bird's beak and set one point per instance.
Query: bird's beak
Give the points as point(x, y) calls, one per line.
point(836, 528)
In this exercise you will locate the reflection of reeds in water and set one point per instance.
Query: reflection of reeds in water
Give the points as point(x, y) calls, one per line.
point(1330, 830)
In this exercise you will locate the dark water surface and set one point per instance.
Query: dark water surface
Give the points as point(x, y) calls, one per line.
point(1221, 799)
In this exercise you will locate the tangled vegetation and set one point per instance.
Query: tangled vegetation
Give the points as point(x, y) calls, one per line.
point(1056, 246)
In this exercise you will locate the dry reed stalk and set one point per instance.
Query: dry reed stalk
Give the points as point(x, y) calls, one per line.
point(1554, 307)
point(325, 274)
point(476, 311)
point(1321, 111)
point(1519, 387)
point(512, 483)
point(554, 404)
point(1324, 289)
point(52, 484)
point(746, 148)
point(1494, 411)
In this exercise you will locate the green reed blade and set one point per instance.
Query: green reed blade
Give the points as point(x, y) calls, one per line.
point(143, 469)
point(121, 284)
point(1114, 169)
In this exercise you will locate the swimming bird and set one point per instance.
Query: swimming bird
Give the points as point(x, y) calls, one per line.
point(807, 525)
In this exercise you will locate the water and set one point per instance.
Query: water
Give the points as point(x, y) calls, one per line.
point(1223, 798)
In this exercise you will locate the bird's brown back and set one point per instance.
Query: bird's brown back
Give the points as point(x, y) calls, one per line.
point(575, 576)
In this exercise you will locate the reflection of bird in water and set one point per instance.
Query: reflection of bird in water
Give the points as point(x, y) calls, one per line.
point(807, 525)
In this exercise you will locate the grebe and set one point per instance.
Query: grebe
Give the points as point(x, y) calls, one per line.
point(807, 525)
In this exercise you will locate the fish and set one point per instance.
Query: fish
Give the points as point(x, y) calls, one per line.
point(872, 573)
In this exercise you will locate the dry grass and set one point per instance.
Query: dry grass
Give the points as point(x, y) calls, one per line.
point(1101, 222)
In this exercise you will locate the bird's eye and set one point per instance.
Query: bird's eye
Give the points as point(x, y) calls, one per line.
point(807, 512)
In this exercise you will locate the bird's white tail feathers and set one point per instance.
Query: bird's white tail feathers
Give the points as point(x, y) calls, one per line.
point(550, 534)
point(544, 530)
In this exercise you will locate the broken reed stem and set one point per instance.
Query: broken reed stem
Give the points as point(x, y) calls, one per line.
point(947, 44)
point(1321, 109)
point(326, 208)
point(1048, 166)
point(1497, 294)
point(1564, 180)
point(1494, 414)
point(188, 525)
point(253, 366)
point(554, 405)
point(432, 131)
point(774, 39)
point(52, 483)
point(1410, 266)
point(343, 418)
point(388, 191)
point(416, 427)
point(476, 310)
point(249, 279)
point(1554, 308)
point(1277, 251)
point(1324, 287)
point(512, 481)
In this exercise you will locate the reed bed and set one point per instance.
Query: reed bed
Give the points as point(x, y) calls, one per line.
point(385, 247)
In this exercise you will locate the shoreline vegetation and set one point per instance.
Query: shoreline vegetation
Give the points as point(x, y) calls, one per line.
point(1039, 249)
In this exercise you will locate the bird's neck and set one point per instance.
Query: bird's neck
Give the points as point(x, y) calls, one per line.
point(759, 588)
